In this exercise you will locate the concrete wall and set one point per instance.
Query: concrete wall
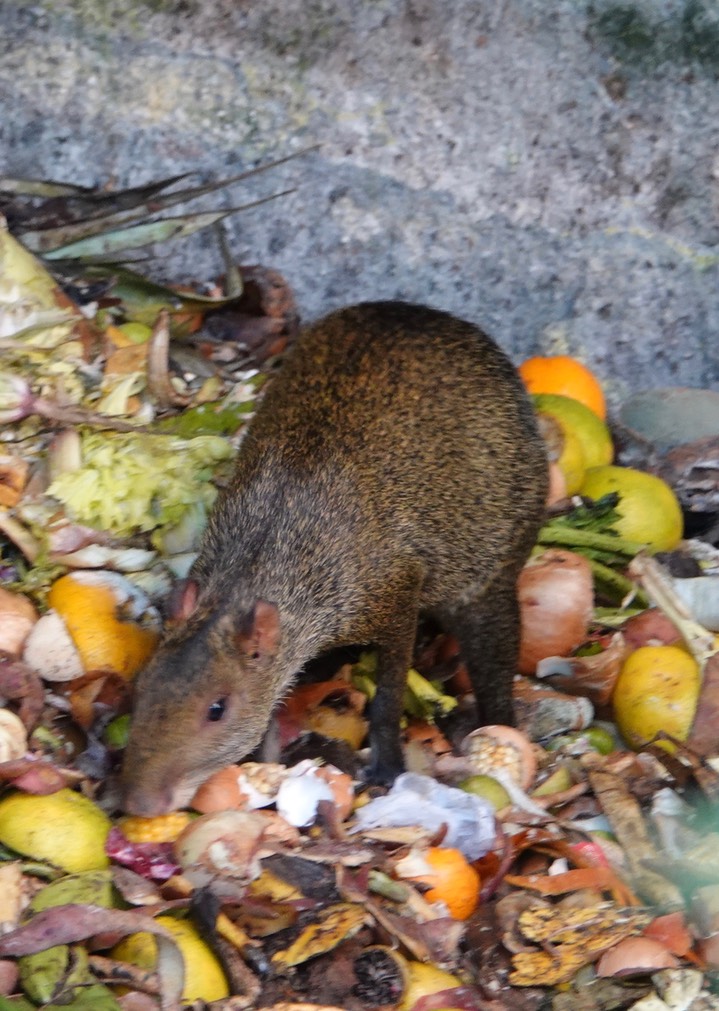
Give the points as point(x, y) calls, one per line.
point(550, 170)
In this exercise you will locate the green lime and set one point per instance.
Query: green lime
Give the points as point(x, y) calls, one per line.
point(138, 333)
point(487, 787)
point(117, 732)
point(598, 738)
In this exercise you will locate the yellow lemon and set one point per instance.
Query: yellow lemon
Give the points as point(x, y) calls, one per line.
point(64, 828)
point(589, 428)
point(111, 623)
point(657, 689)
point(649, 510)
point(204, 977)
point(564, 448)
point(424, 979)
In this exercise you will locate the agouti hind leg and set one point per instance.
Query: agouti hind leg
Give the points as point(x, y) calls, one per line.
point(395, 646)
point(487, 630)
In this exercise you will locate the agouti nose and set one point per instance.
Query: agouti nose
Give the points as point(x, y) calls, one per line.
point(147, 802)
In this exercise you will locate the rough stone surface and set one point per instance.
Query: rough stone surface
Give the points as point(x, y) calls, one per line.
point(547, 170)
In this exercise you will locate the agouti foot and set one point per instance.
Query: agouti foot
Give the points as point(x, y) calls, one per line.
point(381, 774)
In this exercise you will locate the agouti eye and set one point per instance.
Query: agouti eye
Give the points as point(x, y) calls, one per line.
point(216, 710)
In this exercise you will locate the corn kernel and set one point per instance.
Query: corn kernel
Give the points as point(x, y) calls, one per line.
point(161, 828)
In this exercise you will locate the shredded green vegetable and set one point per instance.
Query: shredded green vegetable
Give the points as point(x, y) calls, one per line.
point(135, 482)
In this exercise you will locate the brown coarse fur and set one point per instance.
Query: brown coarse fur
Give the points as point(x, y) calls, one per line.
point(393, 468)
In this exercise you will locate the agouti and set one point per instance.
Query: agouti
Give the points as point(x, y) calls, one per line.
point(392, 468)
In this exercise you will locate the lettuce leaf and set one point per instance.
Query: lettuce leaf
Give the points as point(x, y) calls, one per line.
point(132, 483)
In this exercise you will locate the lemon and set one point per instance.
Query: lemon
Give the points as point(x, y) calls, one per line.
point(64, 828)
point(204, 977)
point(565, 448)
point(589, 428)
point(649, 510)
point(657, 689)
point(136, 333)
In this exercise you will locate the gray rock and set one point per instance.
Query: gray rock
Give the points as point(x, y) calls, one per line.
point(547, 170)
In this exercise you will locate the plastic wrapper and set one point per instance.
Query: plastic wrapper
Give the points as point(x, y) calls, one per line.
point(421, 800)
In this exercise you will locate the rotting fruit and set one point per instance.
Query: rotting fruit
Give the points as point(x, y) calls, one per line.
point(204, 977)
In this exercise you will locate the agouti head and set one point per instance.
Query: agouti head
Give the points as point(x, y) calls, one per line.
point(206, 699)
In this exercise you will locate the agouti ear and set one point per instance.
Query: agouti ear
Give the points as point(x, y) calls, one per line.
point(259, 634)
point(183, 600)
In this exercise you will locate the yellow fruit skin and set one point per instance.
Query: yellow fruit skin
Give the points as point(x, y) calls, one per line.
point(103, 640)
point(571, 462)
point(657, 689)
point(563, 448)
point(425, 979)
point(64, 828)
point(589, 428)
point(649, 510)
point(204, 976)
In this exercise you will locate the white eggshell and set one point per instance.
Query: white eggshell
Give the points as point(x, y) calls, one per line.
point(50, 651)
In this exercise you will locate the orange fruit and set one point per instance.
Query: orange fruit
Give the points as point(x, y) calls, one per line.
point(657, 689)
point(566, 376)
point(110, 621)
point(451, 879)
point(649, 510)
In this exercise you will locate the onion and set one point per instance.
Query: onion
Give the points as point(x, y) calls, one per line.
point(555, 603)
point(13, 736)
point(635, 956)
point(17, 617)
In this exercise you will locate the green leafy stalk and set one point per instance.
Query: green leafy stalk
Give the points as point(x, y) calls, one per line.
point(553, 533)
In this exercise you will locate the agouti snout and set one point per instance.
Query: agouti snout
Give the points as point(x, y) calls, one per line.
point(392, 468)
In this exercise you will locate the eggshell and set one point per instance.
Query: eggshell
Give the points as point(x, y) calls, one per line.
point(50, 651)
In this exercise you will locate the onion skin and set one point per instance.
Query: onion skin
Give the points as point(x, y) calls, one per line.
point(556, 597)
point(651, 628)
point(635, 956)
point(557, 491)
point(17, 617)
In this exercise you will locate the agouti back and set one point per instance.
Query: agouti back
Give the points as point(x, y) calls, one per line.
point(392, 468)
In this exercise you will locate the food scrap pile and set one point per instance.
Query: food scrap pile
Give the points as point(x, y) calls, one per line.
point(568, 863)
